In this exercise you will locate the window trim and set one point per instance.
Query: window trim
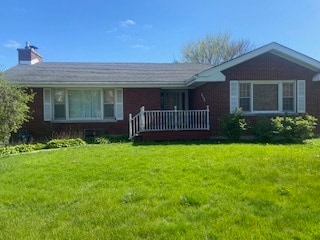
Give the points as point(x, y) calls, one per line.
point(280, 96)
point(72, 120)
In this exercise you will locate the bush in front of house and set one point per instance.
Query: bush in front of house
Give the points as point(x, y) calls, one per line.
point(97, 140)
point(21, 148)
point(263, 130)
point(107, 139)
point(234, 125)
point(294, 129)
point(61, 143)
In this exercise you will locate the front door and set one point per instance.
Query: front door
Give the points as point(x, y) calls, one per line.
point(172, 98)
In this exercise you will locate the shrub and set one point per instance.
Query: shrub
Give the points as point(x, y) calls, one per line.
point(233, 125)
point(5, 151)
point(263, 129)
point(294, 129)
point(61, 143)
point(106, 139)
point(118, 138)
point(97, 140)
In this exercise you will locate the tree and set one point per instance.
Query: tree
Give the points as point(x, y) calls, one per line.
point(215, 49)
point(14, 109)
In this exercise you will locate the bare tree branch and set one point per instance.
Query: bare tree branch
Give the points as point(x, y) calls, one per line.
point(215, 49)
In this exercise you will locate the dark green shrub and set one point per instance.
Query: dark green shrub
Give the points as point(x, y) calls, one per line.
point(61, 143)
point(233, 125)
point(294, 129)
point(263, 129)
point(118, 138)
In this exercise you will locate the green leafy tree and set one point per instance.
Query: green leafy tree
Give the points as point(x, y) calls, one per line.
point(215, 49)
point(14, 109)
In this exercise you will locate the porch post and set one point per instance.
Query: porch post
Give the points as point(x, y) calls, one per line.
point(142, 119)
point(175, 118)
point(130, 126)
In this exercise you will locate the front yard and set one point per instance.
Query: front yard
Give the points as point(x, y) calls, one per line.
point(162, 191)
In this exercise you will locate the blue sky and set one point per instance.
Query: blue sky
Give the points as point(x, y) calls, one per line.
point(149, 30)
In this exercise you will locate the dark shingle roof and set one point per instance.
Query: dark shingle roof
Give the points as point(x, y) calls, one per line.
point(47, 73)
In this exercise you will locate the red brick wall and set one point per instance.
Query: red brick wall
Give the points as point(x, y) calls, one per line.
point(133, 100)
point(175, 135)
point(268, 67)
point(264, 67)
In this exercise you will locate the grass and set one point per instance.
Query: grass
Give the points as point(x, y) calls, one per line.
point(164, 191)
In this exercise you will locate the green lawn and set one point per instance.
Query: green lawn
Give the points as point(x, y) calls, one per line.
point(176, 191)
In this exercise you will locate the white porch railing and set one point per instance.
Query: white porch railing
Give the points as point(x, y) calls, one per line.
point(168, 120)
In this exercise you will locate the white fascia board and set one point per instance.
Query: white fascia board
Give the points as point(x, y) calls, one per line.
point(213, 77)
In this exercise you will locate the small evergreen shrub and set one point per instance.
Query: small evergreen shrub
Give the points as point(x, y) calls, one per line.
point(233, 125)
point(294, 129)
point(61, 143)
point(263, 129)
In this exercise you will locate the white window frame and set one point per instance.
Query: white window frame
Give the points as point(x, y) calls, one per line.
point(280, 95)
point(101, 118)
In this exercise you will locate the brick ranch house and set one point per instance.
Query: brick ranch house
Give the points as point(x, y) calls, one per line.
point(165, 101)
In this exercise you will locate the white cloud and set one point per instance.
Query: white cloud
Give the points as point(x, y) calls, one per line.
point(127, 23)
point(12, 44)
point(140, 46)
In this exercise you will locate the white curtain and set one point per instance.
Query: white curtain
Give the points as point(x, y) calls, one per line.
point(84, 104)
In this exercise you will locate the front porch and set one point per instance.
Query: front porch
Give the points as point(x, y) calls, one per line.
point(170, 124)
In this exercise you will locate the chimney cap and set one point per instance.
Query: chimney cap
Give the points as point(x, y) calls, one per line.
point(28, 46)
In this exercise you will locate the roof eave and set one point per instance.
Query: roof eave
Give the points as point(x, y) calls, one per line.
point(103, 84)
point(201, 79)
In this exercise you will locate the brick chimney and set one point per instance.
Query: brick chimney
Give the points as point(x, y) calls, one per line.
point(28, 55)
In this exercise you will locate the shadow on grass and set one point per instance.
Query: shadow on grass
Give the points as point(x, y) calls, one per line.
point(215, 142)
